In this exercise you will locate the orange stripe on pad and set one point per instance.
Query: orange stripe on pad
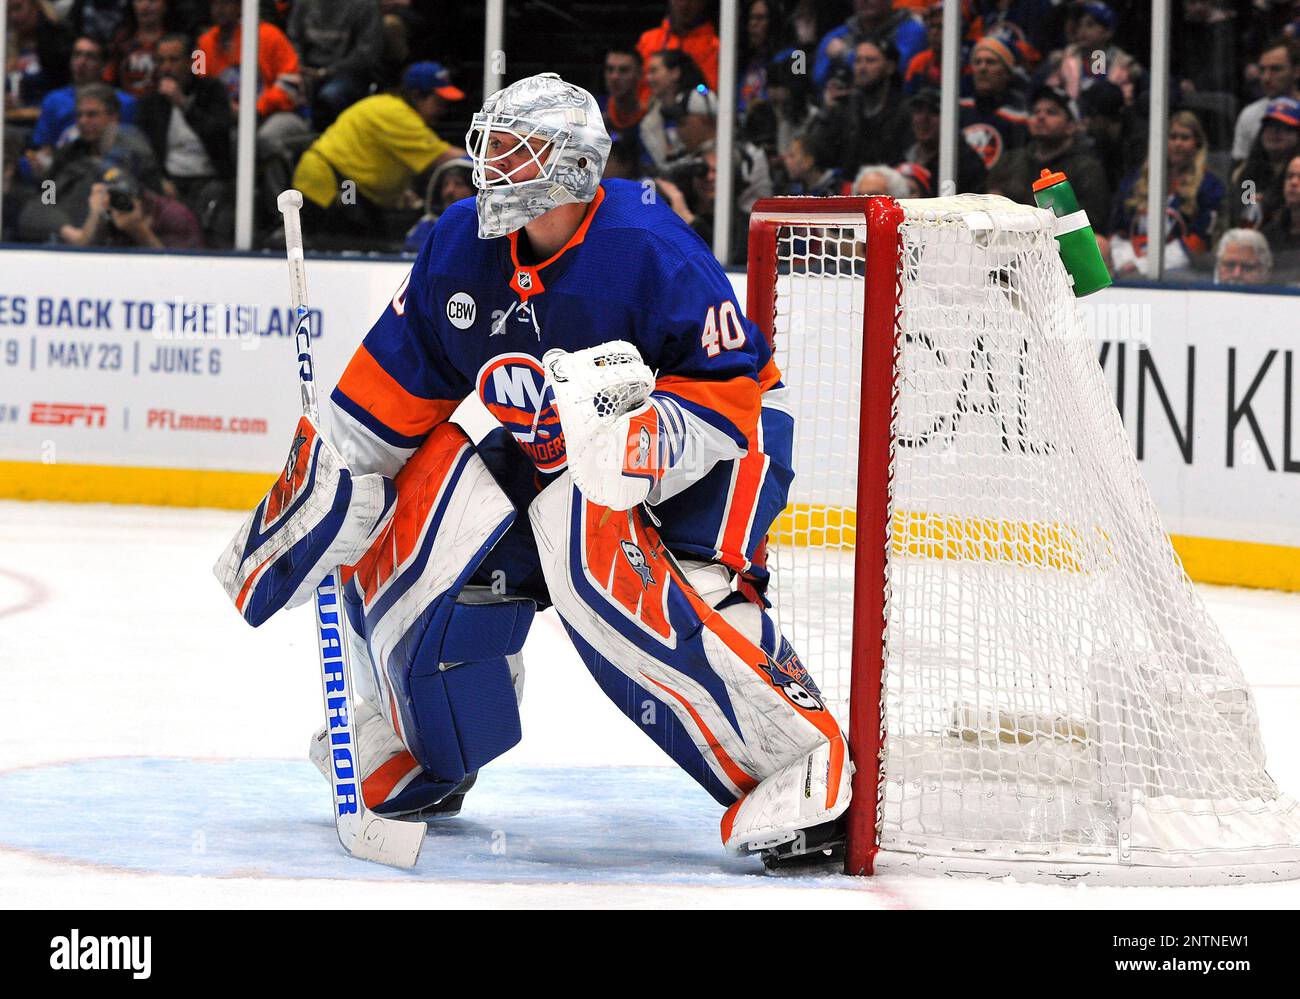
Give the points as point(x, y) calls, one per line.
point(372, 388)
point(756, 659)
point(735, 774)
point(376, 788)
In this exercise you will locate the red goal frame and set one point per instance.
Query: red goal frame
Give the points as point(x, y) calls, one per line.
point(882, 217)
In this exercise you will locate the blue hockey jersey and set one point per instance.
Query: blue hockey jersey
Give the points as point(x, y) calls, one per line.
point(472, 318)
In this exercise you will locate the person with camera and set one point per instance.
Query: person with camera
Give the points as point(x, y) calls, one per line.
point(121, 213)
point(102, 140)
point(688, 180)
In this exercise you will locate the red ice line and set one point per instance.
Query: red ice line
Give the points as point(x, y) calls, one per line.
point(36, 593)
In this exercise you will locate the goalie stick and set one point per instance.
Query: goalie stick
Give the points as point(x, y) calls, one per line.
point(362, 833)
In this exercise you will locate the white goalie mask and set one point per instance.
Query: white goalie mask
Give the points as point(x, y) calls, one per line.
point(546, 130)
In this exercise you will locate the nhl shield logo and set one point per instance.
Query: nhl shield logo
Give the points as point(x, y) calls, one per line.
point(636, 559)
point(525, 280)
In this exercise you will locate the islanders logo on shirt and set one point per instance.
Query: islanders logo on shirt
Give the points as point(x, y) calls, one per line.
point(514, 390)
point(986, 141)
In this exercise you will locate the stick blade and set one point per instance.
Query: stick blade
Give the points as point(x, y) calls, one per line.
point(386, 841)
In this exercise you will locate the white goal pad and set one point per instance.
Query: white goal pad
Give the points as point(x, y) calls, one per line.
point(973, 569)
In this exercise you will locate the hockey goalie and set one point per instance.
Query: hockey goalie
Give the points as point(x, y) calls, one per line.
point(638, 454)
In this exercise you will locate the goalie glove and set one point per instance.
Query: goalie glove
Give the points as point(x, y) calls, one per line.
point(317, 516)
point(612, 429)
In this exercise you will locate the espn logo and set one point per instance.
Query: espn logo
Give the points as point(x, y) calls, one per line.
point(68, 414)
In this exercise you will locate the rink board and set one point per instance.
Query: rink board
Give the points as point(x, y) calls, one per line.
point(168, 380)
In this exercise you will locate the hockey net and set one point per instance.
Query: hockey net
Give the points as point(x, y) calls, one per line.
point(973, 570)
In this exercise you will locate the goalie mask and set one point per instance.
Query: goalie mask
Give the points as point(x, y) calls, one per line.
point(536, 144)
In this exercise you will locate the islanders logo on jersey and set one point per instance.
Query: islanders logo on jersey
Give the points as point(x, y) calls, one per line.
point(514, 390)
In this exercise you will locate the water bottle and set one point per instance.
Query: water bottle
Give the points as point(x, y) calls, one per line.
point(1074, 236)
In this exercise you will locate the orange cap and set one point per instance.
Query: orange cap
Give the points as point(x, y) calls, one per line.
point(1047, 179)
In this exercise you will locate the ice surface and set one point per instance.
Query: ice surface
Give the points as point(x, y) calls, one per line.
point(154, 755)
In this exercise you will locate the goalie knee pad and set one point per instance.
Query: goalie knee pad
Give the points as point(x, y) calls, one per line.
point(459, 684)
point(440, 652)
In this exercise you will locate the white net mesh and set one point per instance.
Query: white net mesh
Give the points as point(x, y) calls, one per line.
point(1054, 690)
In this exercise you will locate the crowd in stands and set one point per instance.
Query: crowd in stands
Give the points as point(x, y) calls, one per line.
point(848, 102)
point(126, 109)
point(121, 119)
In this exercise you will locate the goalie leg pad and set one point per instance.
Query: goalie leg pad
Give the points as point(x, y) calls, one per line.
point(439, 652)
point(318, 515)
point(746, 714)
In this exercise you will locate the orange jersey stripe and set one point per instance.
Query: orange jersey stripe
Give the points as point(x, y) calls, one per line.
point(737, 399)
point(377, 392)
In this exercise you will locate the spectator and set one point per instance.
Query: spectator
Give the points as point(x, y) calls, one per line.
point(134, 64)
point(339, 43)
point(810, 169)
point(102, 141)
point(280, 130)
point(277, 63)
point(872, 20)
point(924, 152)
point(877, 178)
point(188, 122)
point(924, 68)
point(121, 213)
point(107, 20)
point(59, 109)
point(1093, 56)
point(377, 147)
point(37, 54)
point(1259, 180)
point(688, 29)
point(451, 181)
point(1279, 71)
point(1117, 134)
point(1023, 24)
point(692, 193)
point(619, 105)
point(1195, 197)
point(762, 41)
point(1052, 147)
point(672, 77)
point(992, 120)
point(789, 109)
point(697, 130)
point(872, 124)
point(1243, 257)
point(1283, 229)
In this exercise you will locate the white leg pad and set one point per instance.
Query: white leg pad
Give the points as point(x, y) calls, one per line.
point(791, 799)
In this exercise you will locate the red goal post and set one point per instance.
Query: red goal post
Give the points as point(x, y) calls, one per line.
point(880, 217)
